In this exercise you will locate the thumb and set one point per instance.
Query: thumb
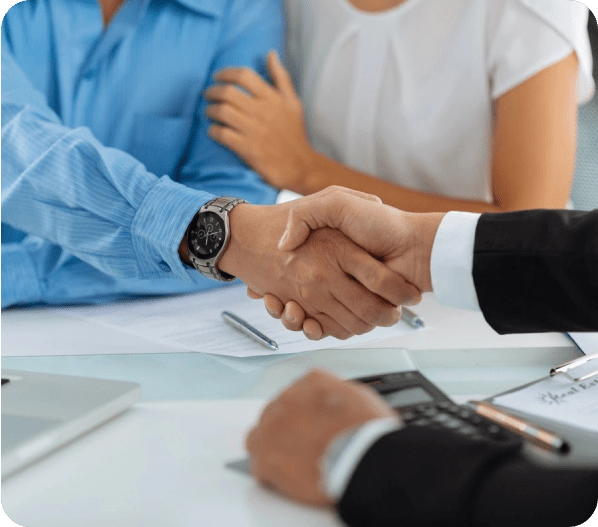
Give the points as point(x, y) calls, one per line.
point(332, 207)
point(308, 214)
point(297, 230)
point(280, 76)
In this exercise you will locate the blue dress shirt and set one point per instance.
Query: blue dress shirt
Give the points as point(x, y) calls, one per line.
point(105, 152)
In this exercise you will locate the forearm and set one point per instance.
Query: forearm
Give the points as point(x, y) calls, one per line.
point(320, 172)
point(419, 476)
point(524, 251)
point(97, 203)
point(434, 477)
point(518, 492)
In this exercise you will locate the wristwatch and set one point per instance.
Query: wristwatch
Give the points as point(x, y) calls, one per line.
point(208, 235)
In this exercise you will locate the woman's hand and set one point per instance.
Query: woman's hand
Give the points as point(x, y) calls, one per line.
point(262, 123)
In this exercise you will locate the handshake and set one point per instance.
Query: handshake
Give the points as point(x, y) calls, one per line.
point(338, 262)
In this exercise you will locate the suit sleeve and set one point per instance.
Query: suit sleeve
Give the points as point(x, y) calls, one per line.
point(546, 262)
point(423, 477)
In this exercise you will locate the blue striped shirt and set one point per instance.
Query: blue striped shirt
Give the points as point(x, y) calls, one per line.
point(105, 153)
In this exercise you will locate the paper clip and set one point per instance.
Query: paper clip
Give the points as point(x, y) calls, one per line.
point(564, 368)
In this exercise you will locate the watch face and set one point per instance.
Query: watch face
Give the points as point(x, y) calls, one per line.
point(206, 235)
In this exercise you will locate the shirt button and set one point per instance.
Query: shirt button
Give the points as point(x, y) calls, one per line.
point(90, 74)
point(164, 266)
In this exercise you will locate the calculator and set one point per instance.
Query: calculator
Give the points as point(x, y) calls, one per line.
point(422, 403)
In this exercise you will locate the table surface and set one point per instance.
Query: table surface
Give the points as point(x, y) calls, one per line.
point(161, 462)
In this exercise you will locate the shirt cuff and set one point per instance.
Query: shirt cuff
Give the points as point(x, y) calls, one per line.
point(159, 226)
point(20, 283)
point(451, 263)
point(345, 452)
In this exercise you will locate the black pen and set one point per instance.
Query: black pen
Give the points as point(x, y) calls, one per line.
point(246, 328)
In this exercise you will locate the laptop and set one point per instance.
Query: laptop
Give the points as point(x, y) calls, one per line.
point(42, 412)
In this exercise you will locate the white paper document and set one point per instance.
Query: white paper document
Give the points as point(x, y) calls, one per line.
point(586, 342)
point(558, 398)
point(194, 323)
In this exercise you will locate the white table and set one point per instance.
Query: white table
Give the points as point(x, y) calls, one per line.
point(161, 463)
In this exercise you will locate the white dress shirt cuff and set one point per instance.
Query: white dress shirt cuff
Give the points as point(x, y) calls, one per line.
point(451, 263)
point(345, 452)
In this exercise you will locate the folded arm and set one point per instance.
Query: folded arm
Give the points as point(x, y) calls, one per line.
point(533, 149)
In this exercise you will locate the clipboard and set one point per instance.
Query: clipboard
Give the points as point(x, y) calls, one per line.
point(583, 442)
point(575, 363)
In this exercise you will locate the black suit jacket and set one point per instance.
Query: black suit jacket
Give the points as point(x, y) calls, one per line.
point(538, 270)
point(533, 271)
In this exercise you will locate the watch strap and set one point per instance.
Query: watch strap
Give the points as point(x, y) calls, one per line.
point(221, 206)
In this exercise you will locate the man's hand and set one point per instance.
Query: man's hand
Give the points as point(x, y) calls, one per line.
point(294, 431)
point(337, 283)
point(401, 240)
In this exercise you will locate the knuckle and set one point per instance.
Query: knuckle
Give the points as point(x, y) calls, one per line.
point(216, 111)
point(216, 132)
point(315, 376)
point(373, 280)
point(225, 112)
point(364, 328)
point(226, 134)
point(389, 317)
point(374, 313)
point(228, 91)
point(395, 316)
point(245, 74)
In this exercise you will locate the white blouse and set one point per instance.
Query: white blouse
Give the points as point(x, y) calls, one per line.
point(407, 94)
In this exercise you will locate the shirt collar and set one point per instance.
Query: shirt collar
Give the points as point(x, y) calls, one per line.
point(213, 8)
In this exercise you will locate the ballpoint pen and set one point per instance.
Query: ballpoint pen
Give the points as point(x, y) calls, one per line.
point(246, 328)
point(530, 432)
point(411, 318)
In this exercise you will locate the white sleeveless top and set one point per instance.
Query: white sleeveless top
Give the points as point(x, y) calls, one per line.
point(407, 94)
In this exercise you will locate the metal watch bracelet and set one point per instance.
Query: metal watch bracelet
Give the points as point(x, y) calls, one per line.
point(221, 206)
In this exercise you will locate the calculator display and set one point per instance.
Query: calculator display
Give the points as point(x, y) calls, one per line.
point(407, 397)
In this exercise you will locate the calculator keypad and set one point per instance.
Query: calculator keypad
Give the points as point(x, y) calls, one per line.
point(456, 418)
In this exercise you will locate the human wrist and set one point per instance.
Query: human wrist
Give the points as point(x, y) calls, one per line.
point(346, 450)
point(425, 227)
point(231, 261)
point(207, 236)
point(309, 171)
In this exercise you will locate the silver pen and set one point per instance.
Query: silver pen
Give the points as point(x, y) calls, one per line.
point(248, 329)
point(411, 318)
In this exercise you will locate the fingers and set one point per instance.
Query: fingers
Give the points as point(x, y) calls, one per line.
point(246, 78)
point(366, 307)
point(227, 136)
point(273, 306)
point(228, 115)
point(336, 191)
point(340, 322)
point(280, 76)
point(312, 329)
point(293, 316)
point(229, 93)
point(330, 327)
point(382, 281)
point(252, 294)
